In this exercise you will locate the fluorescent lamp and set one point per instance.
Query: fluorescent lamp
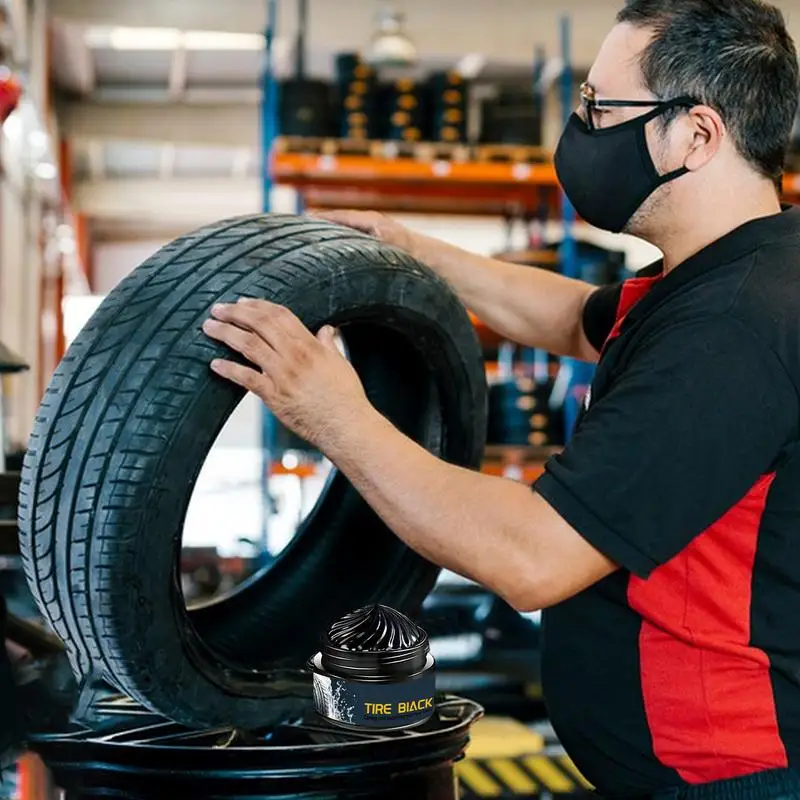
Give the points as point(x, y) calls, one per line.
point(38, 140)
point(13, 127)
point(67, 246)
point(121, 38)
point(45, 170)
point(217, 40)
point(144, 39)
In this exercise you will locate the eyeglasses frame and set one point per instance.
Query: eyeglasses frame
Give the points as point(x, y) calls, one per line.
point(589, 102)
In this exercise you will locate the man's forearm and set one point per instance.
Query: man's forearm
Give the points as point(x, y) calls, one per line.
point(531, 306)
point(495, 531)
point(446, 514)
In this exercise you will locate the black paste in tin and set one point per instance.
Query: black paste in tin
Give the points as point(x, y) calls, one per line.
point(375, 670)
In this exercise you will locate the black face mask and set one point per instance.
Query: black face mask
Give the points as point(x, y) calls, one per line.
point(607, 173)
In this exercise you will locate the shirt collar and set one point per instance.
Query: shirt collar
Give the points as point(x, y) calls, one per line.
point(737, 244)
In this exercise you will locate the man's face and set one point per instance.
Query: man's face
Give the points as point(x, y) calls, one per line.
point(616, 75)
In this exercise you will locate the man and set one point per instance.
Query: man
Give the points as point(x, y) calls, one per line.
point(663, 542)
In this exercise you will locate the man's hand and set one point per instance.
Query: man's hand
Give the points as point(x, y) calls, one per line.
point(374, 223)
point(304, 380)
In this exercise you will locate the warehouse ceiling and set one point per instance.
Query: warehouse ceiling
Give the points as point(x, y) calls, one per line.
point(159, 98)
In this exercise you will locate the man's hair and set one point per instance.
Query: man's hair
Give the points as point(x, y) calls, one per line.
point(733, 55)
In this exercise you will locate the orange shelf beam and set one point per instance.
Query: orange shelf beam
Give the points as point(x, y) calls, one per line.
point(407, 184)
point(300, 471)
point(328, 168)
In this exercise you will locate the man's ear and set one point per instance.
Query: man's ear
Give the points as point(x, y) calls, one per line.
point(705, 134)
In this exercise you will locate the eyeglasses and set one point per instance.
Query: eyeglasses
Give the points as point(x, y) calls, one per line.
point(590, 103)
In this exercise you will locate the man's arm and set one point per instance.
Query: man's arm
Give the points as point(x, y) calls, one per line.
point(531, 306)
point(495, 531)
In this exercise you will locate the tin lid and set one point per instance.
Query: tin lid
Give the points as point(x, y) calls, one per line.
point(375, 643)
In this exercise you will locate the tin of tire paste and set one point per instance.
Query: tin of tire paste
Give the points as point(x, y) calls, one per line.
point(374, 671)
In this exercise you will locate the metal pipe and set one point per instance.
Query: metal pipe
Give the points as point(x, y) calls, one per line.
point(269, 105)
point(573, 378)
point(569, 254)
point(302, 27)
point(269, 132)
point(2, 430)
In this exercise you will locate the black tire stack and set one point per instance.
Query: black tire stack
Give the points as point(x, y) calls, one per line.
point(357, 92)
point(520, 413)
point(305, 108)
point(513, 117)
point(448, 107)
point(404, 110)
point(517, 415)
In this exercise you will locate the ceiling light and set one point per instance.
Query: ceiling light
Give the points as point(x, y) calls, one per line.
point(133, 38)
point(145, 39)
point(121, 38)
point(38, 139)
point(67, 246)
point(45, 170)
point(13, 126)
point(391, 46)
point(471, 65)
point(215, 40)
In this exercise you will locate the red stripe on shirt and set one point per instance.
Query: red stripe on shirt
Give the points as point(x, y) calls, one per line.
point(707, 693)
point(633, 290)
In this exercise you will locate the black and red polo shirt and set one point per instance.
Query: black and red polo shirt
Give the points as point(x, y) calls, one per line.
point(684, 666)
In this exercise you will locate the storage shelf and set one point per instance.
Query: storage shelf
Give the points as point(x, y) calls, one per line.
point(406, 184)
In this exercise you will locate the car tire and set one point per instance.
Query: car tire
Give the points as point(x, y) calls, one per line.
point(130, 416)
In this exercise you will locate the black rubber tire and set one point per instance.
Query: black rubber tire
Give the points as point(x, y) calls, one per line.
point(128, 420)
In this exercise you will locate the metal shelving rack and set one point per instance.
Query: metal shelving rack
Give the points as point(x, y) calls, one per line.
point(394, 184)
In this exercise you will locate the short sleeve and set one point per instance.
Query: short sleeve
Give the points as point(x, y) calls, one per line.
point(697, 416)
point(600, 314)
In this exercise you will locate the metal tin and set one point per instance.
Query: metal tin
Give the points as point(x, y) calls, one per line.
point(374, 671)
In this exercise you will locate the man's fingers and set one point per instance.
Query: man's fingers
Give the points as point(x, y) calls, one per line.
point(247, 378)
point(252, 346)
point(275, 324)
point(246, 312)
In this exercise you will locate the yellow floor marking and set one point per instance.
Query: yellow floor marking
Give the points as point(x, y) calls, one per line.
point(478, 779)
point(566, 761)
point(549, 774)
point(501, 737)
point(513, 775)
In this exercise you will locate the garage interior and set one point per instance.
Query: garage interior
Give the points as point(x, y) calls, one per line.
point(125, 126)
